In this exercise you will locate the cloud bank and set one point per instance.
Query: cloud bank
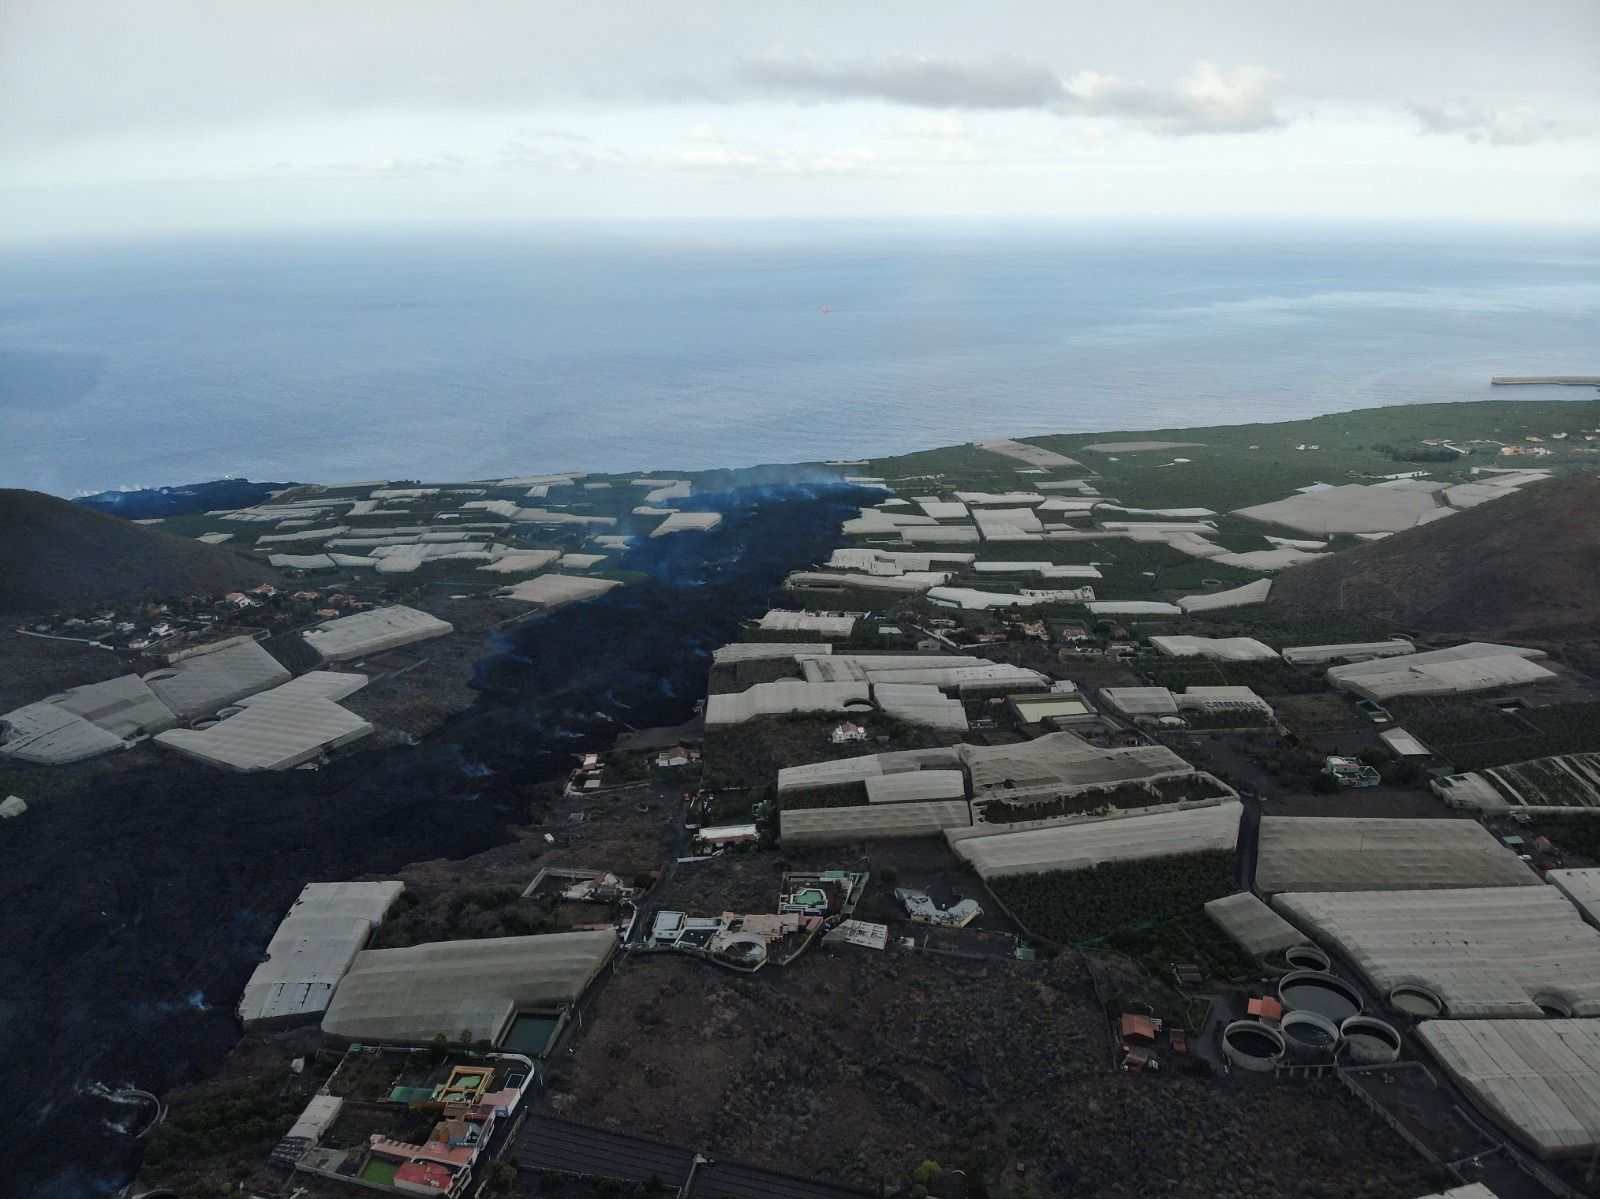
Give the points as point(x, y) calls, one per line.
point(1209, 100)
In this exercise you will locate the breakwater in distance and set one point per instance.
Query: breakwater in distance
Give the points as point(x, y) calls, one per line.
point(140, 892)
point(1546, 380)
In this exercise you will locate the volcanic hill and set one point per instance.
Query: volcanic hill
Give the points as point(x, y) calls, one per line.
point(1524, 569)
point(60, 557)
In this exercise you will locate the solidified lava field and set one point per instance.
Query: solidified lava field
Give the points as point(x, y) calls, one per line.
point(137, 896)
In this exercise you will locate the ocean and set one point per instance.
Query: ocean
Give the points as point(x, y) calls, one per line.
point(436, 353)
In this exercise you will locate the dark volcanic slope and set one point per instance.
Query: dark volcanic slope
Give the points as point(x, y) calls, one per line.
point(58, 556)
point(1525, 568)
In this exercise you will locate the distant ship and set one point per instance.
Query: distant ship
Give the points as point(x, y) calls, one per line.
point(826, 311)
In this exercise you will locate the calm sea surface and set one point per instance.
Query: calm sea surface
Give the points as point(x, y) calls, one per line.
point(462, 355)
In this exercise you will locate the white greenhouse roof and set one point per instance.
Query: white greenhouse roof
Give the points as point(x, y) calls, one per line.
point(450, 987)
point(277, 729)
point(917, 785)
point(758, 651)
point(52, 736)
point(1486, 951)
point(922, 703)
point(685, 522)
point(123, 707)
point(1116, 839)
point(1251, 923)
point(906, 583)
point(808, 622)
point(1476, 666)
point(204, 683)
point(1222, 649)
point(834, 826)
point(784, 696)
point(1134, 608)
point(1339, 853)
point(1539, 1079)
point(1350, 651)
point(313, 947)
point(1031, 455)
point(841, 771)
point(1352, 508)
point(1404, 744)
point(1061, 763)
point(1140, 701)
point(1582, 887)
point(941, 535)
point(1234, 597)
point(373, 632)
point(553, 591)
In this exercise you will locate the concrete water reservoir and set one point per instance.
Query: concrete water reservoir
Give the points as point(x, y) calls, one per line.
point(1417, 1001)
point(1369, 1041)
point(1316, 991)
point(1306, 957)
point(1309, 1036)
point(1252, 1045)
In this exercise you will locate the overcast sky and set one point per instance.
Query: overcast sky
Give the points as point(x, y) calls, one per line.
point(130, 116)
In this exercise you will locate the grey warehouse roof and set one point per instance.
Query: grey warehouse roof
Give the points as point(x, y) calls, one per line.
point(1338, 853)
point(313, 947)
point(451, 987)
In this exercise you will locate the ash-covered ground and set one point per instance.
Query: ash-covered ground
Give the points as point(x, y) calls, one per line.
point(139, 891)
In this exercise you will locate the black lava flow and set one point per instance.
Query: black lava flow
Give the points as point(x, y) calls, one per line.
point(138, 897)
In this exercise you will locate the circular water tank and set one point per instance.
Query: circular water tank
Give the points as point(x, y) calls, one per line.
point(1369, 1041)
point(1309, 1036)
point(1412, 1000)
point(1306, 957)
point(1325, 994)
point(1252, 1045)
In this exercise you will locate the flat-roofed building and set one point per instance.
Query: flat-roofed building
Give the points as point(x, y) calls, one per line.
point(317, 940)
